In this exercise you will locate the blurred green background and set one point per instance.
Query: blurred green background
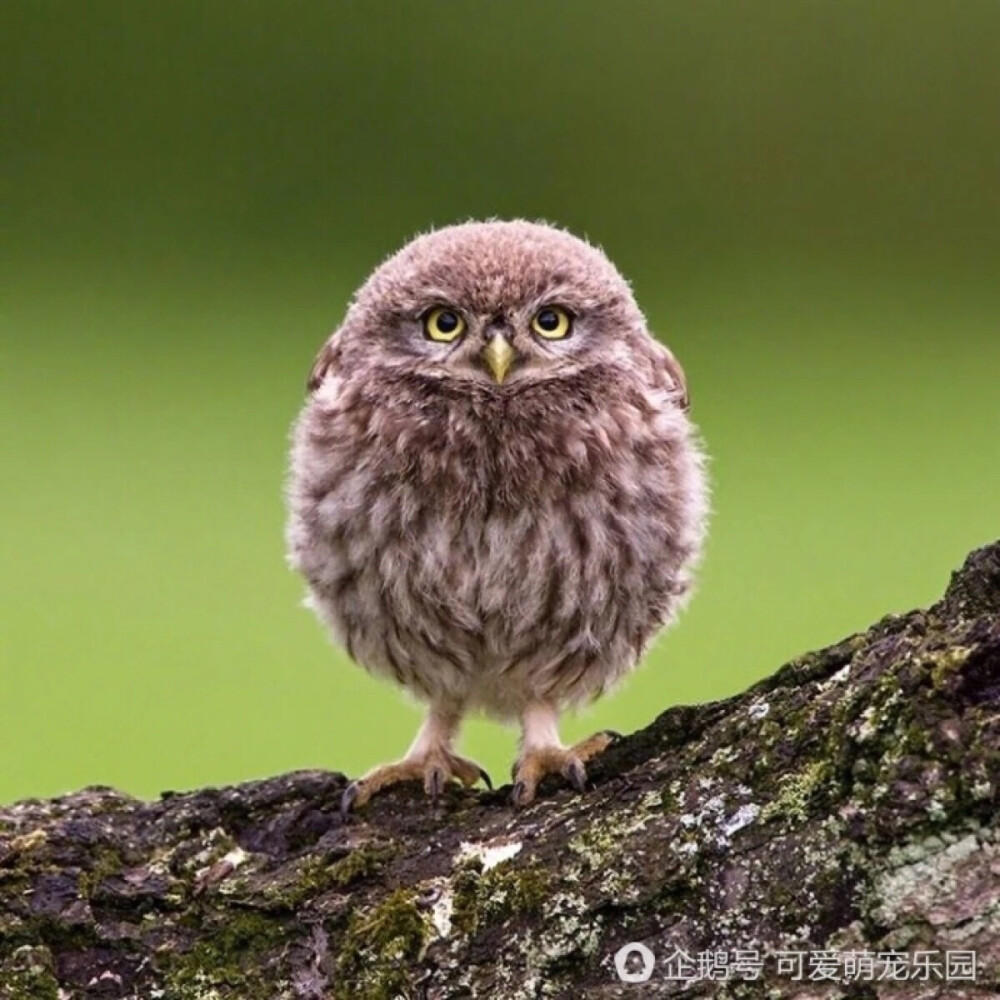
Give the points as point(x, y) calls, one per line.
point(806, 196)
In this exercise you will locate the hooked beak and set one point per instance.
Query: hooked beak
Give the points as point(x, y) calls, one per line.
point(499, 356)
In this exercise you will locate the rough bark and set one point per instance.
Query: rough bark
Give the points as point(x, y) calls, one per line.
point(850, 801)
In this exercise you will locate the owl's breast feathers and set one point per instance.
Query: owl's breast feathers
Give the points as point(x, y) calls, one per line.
point(497, 548)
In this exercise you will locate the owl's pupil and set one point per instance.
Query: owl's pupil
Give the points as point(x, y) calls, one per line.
point(447, 322)
point(548, 320)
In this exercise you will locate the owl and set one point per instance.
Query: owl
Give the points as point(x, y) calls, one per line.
point(496, 495)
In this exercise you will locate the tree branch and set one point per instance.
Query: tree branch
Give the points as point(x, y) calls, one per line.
point(850, 801)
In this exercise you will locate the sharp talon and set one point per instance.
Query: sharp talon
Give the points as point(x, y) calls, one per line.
point(347, 800)
point(486, 779)
point(518, 794)
point(435, 782)
point(577, 775)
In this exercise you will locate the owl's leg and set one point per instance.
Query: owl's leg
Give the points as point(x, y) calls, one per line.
point(430, 759)
point(543, 753)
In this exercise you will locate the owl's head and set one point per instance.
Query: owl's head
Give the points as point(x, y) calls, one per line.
point(493, 306)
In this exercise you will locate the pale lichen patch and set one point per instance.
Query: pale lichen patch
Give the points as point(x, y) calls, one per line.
point(836, 678)
point(489, 854)
point(930, 871)
point(744, 816)
point(442, 910)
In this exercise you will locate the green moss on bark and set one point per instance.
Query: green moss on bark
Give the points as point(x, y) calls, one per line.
point(379, 949)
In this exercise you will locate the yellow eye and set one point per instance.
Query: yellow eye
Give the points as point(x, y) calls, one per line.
point(552, 323)
point(444, 325)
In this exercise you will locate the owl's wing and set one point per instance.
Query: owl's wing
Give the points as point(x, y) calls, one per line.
point(326, 361)
point(670, 368)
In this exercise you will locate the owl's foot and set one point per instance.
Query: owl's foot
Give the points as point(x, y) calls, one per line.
point(570, 762)
point(435, 769)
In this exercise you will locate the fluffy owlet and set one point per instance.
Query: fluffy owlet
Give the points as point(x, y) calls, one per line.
point(496, 495)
